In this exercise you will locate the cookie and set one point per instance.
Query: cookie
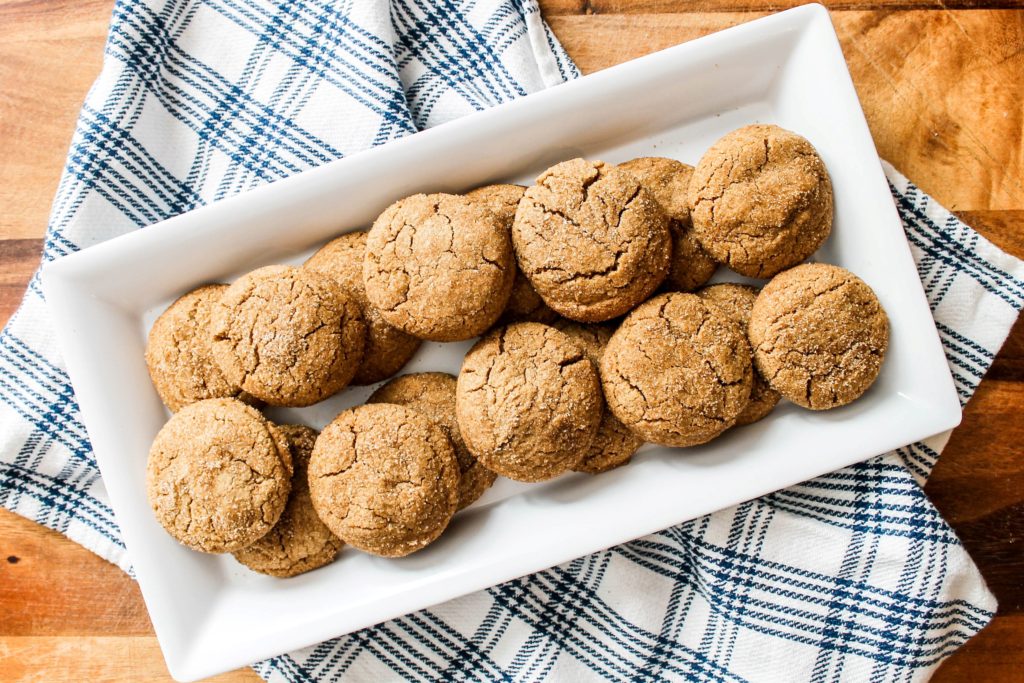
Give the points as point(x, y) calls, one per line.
point(288, 336)
point(528, 402)
point(761, 200)
point(614, 443)
point(524, 304)
point(735, 302)
point(179, 354)
point(218, 475)
point(299, 542)
point(819, 335)
point(384, 478)
point(388, 348)
point(433, 394)
point(667, 180)
point(591, 240)
point(677, 372)
point(438, 266)
point(501, 200)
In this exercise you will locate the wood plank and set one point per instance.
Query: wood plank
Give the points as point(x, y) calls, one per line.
point(552, 8)
point(941, 90)
point(50, 53)
point(18, 260)
point(978, 485)
point(97, 658)
point(50, 585)
point(993, 656)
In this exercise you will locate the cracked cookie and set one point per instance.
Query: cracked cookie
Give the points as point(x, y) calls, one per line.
point(299, 542)
point(288, 336)
point(667, 180)
point(384, 478)
point(819, 335)
point(761, 200)
point(614, 444)
point(677, 372)
point(735, 302)
point(528, 402)
point(433, 394)
point(179, 354)
point(524, 304)
point(438, 266)
point(591, 240)
point(218, 475)
point(388, 348)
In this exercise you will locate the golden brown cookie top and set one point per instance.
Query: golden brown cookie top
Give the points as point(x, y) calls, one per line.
point(384, 478)
point(218, 475)
point(528, 401)
point(591, 240)
point(501, 200)
point(761, 200)
point(299, 542)
point(179, 353)
point(388, 348)
point(819, 335)
point(438, 266)
point(289, 336)
point(735, 302)
point(614, 444)
point(676, 372)
point(668, 182)
point(433, 394)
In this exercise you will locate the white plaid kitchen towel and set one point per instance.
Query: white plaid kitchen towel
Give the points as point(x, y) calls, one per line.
point(851, 576)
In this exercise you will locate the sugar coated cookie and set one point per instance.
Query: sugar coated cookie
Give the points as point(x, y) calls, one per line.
point(299, 542)
point(819, 335)
point(591, 240)
point(384, 478)
point(528, 402)
point(433, 394)
point(668, 180)
point(288, 336)
point(439, 266)
point(761, 200)
point(218, 475)
point(387, 347)
point(677, 372)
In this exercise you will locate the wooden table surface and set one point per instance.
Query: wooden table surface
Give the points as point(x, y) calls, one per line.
point(943, 88)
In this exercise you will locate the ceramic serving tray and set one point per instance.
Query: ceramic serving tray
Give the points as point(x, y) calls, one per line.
point(211, 614)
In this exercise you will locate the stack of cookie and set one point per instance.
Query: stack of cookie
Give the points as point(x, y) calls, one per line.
point(599, 333)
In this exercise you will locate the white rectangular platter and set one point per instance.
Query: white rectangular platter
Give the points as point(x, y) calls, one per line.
point(211, 614)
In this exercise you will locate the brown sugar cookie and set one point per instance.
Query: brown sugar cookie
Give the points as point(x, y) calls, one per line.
point(528, 402)
point(288, 336)
point(735, 302)
point(819, 335)
point(591, 240)
point(501, 200)
point(179, 354)
point(614, 443)
point(438, 266)
point(218, 475)
point(388, 348)
point(667, 180)
point(384, 478)
point(299, 542)
point(761, 200)
point(676, 371)
point(524, 304)
point(433, 394)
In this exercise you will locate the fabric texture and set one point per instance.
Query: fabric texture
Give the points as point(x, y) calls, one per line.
point(851, 576)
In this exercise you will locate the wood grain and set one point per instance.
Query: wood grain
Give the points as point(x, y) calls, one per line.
point(940, 85)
